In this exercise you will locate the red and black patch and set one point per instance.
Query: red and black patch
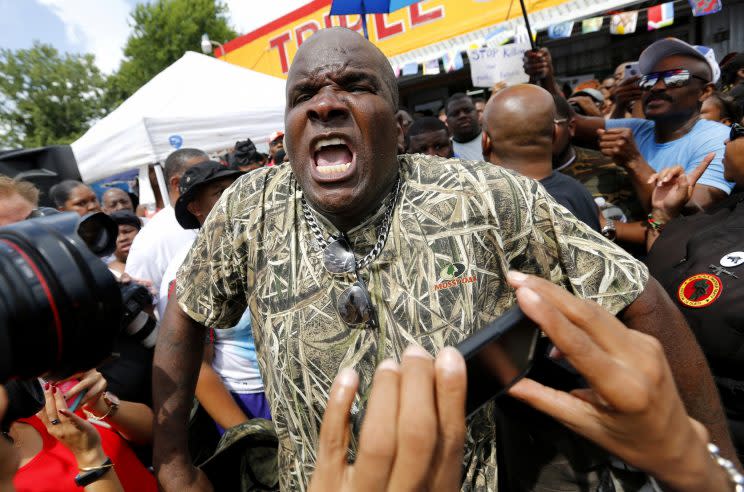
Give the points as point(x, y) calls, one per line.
point(699, 290)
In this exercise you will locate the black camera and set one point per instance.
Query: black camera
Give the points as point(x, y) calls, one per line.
point(137, 324)
point(61, 307)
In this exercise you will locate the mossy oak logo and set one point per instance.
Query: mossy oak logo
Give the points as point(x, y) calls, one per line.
point(451, 276)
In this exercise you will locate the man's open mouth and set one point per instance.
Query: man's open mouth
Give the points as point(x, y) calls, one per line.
point(332, 156)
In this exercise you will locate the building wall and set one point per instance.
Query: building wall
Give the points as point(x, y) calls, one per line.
point(725, 32)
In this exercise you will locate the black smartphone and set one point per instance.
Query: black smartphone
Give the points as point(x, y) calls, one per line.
point(498, 356)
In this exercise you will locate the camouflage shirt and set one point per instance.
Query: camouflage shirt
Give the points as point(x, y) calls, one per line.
point(603, 178)
point(457, 228)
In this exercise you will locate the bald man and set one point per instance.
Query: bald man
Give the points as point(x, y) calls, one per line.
point(345, 188)
point(115, 199)
point(519, 133)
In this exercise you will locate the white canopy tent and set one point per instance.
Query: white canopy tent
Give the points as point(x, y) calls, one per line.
point(198, 101)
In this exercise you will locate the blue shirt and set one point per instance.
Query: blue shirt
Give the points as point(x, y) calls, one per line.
point(688, 151)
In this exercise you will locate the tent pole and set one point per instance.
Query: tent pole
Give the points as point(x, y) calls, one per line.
point(527, 25)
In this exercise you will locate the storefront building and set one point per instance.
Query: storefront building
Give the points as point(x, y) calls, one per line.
point(422, 39)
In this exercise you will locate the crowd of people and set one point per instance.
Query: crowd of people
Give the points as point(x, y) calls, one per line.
point(306, 301)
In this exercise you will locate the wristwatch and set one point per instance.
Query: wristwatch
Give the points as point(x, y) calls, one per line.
point(609, 231)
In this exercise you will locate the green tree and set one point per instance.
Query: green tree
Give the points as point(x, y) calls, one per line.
point(47, 98)
point(162, 31)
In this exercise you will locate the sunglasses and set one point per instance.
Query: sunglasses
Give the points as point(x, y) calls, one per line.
point(737, 131)
point(673, 79)
point(354, 305)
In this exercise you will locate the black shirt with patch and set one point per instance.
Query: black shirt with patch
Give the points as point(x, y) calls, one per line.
point(687, 247)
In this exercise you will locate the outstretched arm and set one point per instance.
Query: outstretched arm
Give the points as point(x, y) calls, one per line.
point(178, 356)
point(539, 66)
point(672, 191)
point(214, 396)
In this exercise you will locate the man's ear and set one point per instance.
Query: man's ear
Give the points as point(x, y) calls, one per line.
point(486, 146)
point(402, 144)
point(708, 90)
point(572, 127)
point(173, 183)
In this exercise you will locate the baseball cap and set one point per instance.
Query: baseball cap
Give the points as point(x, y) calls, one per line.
point(276, 135)
point(194, 178)
point(593, 93)
point(673, 46)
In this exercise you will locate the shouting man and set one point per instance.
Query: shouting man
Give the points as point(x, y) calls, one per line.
point(351, 253)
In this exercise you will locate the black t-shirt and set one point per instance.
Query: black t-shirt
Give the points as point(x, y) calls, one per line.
point(574, 196)
point(689, 248)
point(129, 376)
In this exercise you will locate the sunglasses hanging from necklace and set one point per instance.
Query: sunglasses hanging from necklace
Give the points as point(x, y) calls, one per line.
point(354, 305)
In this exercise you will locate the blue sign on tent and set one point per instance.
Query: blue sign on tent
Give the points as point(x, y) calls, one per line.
point(176, 141)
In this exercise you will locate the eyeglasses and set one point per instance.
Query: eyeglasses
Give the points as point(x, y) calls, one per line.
point(354, 305)
point(673, 79)
point(737, 131)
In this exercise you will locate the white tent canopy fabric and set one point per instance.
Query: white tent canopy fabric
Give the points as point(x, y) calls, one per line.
point(198, 101)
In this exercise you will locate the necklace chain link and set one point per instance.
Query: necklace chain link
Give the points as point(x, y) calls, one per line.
point(382, 234)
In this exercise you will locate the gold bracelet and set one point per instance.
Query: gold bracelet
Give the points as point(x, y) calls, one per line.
point(93, 416)
point(106, 464)
point(94, 468)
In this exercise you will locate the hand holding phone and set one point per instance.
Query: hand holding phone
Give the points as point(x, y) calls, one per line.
point(632, 408)
point(84, 391)
point(631, 70)
point(77, 399)
point(498, 356)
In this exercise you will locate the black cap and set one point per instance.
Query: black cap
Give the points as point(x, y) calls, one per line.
point(189, 185)
point(125, 217)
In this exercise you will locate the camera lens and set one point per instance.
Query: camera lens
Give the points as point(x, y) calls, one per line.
point(60, 307)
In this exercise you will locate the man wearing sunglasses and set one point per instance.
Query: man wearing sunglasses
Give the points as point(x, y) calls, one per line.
point(677, 78)
point(350, 253)
point(712, 246)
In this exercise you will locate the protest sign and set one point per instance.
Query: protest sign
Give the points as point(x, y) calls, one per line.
point(498, 64)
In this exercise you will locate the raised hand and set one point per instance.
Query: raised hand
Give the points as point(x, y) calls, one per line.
point(673, 188)
point(413, 433)
point(76, 434)
point(632, 408)
point(538, 64)
point(626, 92)
point(620, 145)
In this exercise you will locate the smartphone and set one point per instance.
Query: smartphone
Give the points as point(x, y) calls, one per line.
point(498, 356)
point(631, 70)
point(78, 399)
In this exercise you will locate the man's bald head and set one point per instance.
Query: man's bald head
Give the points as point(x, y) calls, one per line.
point(340, 46)
point(519, 122)
point(115, 199)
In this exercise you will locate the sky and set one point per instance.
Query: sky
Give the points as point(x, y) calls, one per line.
point(101, 26)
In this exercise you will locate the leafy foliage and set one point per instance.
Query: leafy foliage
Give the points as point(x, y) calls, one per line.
point(162, 31)
point(47, 98)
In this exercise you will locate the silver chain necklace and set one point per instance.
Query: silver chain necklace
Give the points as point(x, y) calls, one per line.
point(382, 233)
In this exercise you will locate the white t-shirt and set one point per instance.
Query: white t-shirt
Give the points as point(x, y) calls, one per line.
point(234, 350)
point(170, 275)
point(156, 245)
point(470, 151)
